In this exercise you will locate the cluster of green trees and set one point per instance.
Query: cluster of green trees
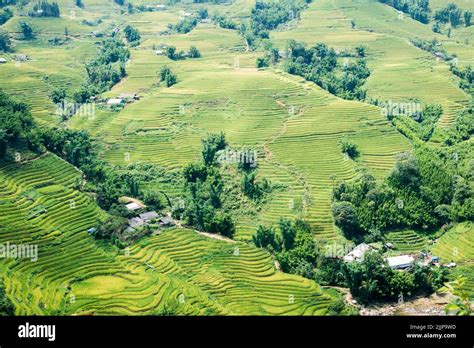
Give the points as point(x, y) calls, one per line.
point(26, 30)
point(194, 52)
point(58, 40)
point(269, 15)
point(417, 125)
point(5, 42)
point(4, 3)
point(467, 77)
point(422, 192)
point(168, 77)
point(319, 64)
point(203, 185)
point(432, 46)
point(253, 188)
point(292, 244)
point(73, 146)
point(417, 9)
point(420, 11)
point(425, 124)
point(453, 15)
point(76, 147)
point(16, 123)
point(171, 53)
point(462, 129)
point(18, 127)
point(187, 24)
point(101, 71)
point(224, 22)
point(104, 71)
point(45, 9)
point(132, 35)
point(5, 15)
point(272, 56)
point(349, 148)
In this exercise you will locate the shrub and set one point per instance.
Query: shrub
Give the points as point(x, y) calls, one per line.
point(168, 77)
point(349, 148)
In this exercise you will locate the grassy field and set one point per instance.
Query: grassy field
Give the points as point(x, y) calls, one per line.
point(294, 125)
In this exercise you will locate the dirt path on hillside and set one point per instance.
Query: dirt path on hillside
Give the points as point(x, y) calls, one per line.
point(216, 236)
point(432, 305)
point(347, 295)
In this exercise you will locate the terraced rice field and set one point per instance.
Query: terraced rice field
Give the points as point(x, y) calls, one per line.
point(466, 271)
point(197, 275)
point(407, 241)
point(38, 206)
point(400, 72)
point(456, 245)
point(178, 270)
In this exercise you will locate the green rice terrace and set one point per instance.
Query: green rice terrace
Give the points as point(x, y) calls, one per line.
point(234, 157)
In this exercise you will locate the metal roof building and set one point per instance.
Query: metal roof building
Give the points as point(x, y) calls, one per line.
point(400, 262)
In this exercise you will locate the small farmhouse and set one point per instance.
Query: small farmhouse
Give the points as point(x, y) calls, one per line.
point(133, 206)
point(400, 262)
point(135, 222)
point(114, 101)
point(149, 216)
point(166, 221)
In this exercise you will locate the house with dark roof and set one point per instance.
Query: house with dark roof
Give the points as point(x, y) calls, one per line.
point(166, 221)
point(135, 222)
point(149, 216)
